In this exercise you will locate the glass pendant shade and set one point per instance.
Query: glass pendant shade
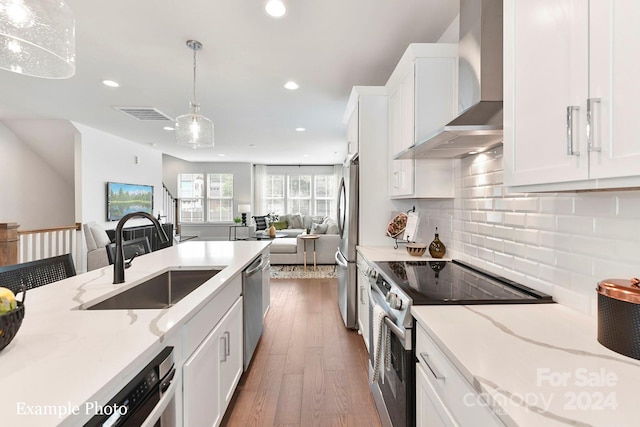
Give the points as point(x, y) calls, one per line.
point(194, 130)
point(37, 38)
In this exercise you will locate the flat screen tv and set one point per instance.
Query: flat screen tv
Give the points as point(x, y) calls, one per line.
point(126, 198)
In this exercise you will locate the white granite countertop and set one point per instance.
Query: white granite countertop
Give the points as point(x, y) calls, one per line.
point(65, 356)
point(542, 363)
point(388, 253)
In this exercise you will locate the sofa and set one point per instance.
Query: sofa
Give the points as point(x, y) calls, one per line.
point(290, 249)
point(97, 240)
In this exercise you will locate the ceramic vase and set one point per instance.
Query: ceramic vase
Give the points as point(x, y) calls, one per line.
point(437, 249)
point(272, 231)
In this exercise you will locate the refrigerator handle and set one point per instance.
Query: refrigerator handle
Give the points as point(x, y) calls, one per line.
point(342, 207)
point(341, 260)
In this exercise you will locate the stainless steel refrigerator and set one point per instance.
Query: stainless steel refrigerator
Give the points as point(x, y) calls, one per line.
point(346, 254)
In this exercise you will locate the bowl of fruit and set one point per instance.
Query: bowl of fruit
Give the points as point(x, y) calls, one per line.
point(11, 315)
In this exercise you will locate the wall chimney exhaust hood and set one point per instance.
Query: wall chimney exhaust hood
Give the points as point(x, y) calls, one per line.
point(479, 126)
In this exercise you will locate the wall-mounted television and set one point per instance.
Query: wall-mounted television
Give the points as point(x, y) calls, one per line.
point(126, 198)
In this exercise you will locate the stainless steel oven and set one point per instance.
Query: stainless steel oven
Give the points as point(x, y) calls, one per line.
point(146, 401)
point(395, 288)
point(391, 365)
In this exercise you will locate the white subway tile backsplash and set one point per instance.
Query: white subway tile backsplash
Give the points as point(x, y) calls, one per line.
point(595, 204)
point(527, 267)
point(555, 276)
point(515, 249)
point(618, 228)
point(515, 218)
point(540, 221)
point(541, 255)
point(495, 217)
point(574, 262)
point(526, 236)
point(575, 224)
point(628, 204)
point(558, 243)
point(556, 204)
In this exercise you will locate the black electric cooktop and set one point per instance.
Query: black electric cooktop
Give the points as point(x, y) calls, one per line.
point(455, 282)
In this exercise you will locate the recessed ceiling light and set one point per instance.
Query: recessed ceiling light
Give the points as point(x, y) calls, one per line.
point(220, 154)
point(301, 129)
point(168, 128)
point(305, 155)
point(110, 83)
point(291, 85)
point(252, 145)
point(275, 8)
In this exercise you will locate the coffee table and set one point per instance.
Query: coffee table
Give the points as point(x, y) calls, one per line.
point(261, 236)
point(312, 238)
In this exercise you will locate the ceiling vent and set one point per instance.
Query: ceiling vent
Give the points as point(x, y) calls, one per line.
point(144, 113)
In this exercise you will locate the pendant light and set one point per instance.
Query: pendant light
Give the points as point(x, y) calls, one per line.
point(192, 129)
point(37, 38)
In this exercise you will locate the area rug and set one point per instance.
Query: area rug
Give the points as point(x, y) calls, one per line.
point(297, 272)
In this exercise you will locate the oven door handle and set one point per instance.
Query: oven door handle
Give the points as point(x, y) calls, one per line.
point(395, 329)
point(436, 372)
point(162, 404)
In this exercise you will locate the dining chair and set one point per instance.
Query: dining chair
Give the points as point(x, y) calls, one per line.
point(37, 273)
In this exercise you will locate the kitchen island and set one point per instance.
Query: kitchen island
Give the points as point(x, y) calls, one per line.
point(533, 365)
point(65, 357)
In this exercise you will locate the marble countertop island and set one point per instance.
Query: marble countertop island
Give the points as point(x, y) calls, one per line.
point(541, 364)
point(64, 356)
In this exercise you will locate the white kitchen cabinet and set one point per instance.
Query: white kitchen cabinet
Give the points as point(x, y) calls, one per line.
point(371, 107)
point(213, 342)
point(363, 298)
point(444, 397)
point(570, 94)
point(422, 99)
point(430, 411)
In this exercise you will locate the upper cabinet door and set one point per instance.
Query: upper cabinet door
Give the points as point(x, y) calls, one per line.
point(545, 92)
point(614, 91)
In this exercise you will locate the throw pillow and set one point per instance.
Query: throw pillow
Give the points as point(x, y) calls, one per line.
point(295, 221)
point(261, 222)
point(280, 225)
point(319, 228)
point(332, 226)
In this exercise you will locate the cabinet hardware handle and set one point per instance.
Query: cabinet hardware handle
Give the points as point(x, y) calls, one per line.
point(224, 350)
point(591, 125)
point(570, 150)
point(436, 373)
point(227, 351)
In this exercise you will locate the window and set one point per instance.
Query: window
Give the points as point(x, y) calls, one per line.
point(306, 194)
point(299, 194)
point(191, 195)
point(324, 194)
point(274, 193)
point(218, 195)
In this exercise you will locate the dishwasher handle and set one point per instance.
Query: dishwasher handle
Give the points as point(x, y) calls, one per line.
point(253, 270)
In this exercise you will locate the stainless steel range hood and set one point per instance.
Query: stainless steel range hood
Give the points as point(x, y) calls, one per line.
point(479, 126)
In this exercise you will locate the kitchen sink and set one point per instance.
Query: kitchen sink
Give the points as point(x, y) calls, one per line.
point(158, 292)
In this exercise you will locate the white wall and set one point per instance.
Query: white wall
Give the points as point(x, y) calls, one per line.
point(33, 193)
point(106, 157)
point(559, 243)
point(242, 190)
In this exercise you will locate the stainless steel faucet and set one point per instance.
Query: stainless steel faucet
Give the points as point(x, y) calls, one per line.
point(118, 264)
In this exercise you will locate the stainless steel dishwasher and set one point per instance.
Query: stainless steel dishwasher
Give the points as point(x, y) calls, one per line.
point(252, 278)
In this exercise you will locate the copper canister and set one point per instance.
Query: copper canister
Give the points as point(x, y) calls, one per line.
point(619, 316)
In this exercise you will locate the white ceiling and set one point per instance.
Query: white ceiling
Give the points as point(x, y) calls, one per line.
point(327, 46)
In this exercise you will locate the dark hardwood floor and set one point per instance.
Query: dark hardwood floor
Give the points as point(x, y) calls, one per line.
point(308, 369)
